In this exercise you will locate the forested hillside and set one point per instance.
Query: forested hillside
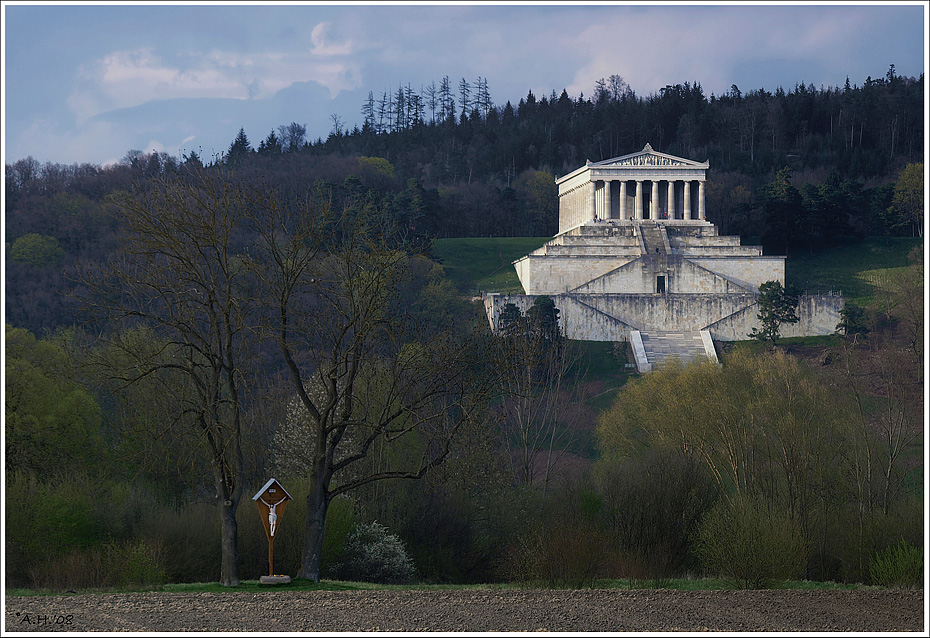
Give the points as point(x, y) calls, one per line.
point(179, 329)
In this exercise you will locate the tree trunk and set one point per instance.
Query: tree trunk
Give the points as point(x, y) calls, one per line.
point(228, 494)
point(317, 504)
point(229, 569)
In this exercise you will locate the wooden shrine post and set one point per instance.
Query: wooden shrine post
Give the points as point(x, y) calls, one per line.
point(271, 501)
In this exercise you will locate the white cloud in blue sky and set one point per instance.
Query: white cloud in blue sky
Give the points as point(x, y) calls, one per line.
point(89, 83)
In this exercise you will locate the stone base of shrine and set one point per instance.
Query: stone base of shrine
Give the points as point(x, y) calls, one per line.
point(275, 580)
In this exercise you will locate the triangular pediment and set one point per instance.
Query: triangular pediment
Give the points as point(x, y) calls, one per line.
point(649, 157)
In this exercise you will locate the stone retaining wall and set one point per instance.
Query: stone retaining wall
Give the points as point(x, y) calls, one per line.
point(728, 317)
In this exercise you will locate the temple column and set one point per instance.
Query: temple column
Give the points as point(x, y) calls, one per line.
point(639, 200)
point(670, 204)
point(623, 199)
point(654, 201)
point(591, 213)
point(687, 200)
point(607, 211)
point(570, 206)
point(701, 200)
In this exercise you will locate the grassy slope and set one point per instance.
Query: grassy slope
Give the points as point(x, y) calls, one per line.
point(484, 264)
point(852, 269)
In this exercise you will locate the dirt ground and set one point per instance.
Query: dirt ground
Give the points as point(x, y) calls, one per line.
point(865, 610)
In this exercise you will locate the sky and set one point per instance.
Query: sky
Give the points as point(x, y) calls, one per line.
point(91, 82)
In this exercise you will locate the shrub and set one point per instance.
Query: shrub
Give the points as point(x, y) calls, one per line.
point(45, 521)
point(564, 554)
point(136, 563)
point(77, 569)
point(857, 542)
point(749, 543)
point(340, 521)
point(58, 531)
point(374, 555)
point(190, 540)
point(899, 565)
point(654, 502)
point(65, 517)
point(37, 250)
point(128, 564)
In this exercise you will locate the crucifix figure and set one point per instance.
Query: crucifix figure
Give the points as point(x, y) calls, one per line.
point(272, 516)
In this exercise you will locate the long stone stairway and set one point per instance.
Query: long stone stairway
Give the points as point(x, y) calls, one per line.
point(655, 240)
point(653, 348)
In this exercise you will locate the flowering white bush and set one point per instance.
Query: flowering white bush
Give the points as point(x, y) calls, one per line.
point(374, 555)
point(295, 439)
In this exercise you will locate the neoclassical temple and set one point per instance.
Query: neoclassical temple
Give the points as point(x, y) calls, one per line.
point(635, 260)
point(644, 185)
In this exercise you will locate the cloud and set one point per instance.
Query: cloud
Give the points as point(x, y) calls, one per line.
point(133, 76)
point(128, 78)
point(321, 44)
point(91, 143)
point(654, 47)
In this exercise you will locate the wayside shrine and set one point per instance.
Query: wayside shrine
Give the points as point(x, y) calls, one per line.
point(635, 260)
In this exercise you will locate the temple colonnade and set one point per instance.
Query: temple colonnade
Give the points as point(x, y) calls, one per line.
point(633, 199)
point(648, 199)
point(643, 185)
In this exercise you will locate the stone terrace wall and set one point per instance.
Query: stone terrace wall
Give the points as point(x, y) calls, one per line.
point(728, 317)
point(817, 314)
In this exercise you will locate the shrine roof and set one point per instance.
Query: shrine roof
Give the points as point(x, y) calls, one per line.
point(264, 487)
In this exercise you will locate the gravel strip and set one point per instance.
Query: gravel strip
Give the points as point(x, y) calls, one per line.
point(866, 610)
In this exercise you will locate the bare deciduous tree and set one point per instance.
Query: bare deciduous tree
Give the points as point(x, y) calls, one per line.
point(178, 276)
point(366, 373)
point(537, 389)
point(292, 135)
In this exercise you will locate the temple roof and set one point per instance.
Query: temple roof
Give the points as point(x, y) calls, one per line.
point(646, 158)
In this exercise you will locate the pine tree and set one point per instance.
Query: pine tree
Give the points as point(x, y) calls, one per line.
point(239, 150)
point(446, 100)
point(777, 305)
point(270, 145)
point(465, 96)
point(368, 111)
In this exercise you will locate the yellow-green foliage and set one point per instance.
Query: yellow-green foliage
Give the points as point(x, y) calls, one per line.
point(761, 425)
point(752, 543)
point(50, 421)
point(755, 420)
point(37, 250)
point(899, 565)
point(378, 164)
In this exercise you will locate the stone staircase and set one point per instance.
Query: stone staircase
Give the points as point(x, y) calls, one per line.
point(655, 240)
point(653, 348)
